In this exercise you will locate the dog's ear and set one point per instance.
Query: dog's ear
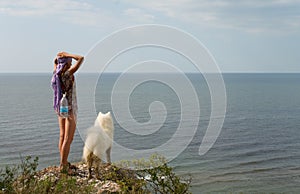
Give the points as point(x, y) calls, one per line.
point(108, 113)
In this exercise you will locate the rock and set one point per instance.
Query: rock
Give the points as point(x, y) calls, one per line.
point(53, 174)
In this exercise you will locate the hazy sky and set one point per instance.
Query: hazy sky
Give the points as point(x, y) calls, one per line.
point(243, 36)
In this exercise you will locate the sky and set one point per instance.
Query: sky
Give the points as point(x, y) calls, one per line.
point(242, 36)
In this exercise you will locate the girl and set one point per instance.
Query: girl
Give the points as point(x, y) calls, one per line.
point(63, 82)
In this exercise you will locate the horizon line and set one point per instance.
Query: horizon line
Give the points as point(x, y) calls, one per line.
point(190, 72)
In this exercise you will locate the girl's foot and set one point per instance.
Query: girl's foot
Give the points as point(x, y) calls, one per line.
point(65, 169)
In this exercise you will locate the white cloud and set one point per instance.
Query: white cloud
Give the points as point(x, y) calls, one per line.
point(76, 12)
point(246, 15)
point(138, 15)
point(33, 8)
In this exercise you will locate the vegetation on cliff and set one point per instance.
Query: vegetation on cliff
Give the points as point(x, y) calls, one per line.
point(139, 176)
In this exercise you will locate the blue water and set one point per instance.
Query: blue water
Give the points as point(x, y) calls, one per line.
point(258, 150)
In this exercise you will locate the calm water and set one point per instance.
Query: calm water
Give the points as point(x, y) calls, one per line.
point(258, 150)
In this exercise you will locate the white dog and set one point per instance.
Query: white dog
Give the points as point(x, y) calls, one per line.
point(98, 142)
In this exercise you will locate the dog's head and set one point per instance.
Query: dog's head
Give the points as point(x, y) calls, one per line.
point(105, 121)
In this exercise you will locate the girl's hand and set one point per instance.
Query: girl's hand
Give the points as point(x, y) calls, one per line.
point(62, 54)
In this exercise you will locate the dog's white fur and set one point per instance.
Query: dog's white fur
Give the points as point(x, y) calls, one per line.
point(99, 140)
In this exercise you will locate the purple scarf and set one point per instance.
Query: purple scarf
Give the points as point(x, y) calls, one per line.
point(56, 82)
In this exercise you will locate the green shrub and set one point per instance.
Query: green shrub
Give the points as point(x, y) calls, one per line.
point(157, 176)
point(138, 177)
point(7, 177)
point(21, 179)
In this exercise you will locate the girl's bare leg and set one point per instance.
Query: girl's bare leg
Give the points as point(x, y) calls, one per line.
point(70, 126)
point(61, 122)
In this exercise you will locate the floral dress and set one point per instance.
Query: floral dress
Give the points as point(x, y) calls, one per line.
point(69, 87)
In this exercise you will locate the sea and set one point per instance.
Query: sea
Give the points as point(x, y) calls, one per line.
point(256, 151)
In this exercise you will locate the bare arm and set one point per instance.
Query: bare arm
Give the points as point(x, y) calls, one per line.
point(79, 59)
